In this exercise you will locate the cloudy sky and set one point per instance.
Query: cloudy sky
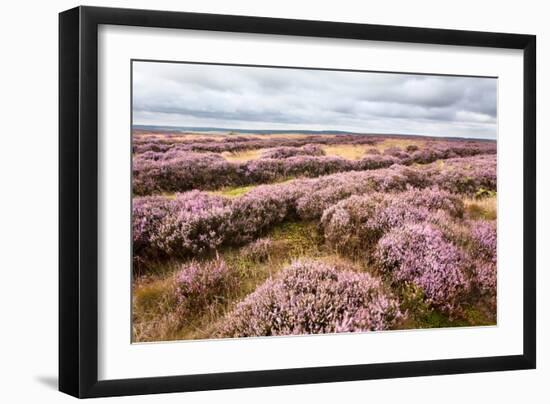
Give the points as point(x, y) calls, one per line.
point(179, 94)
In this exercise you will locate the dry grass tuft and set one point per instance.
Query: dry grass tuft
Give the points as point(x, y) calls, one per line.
point(242, 156)
point(347, 151)
point(485, 208)
point(401, 143)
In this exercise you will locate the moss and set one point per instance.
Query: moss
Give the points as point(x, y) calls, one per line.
point(299, 238)
point(477, 316)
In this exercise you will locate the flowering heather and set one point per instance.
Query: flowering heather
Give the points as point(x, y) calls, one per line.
point(285, 151)
point(484, 238)
point(192, 227)
point(258, 250)
point(258, 210)
point(372, 151)
point(147, 215)
point(192, 223)
point(310, 297)
point(397, 152)
point(199, 284)
point(419, 254)
point(484, 235)
point(356, 223)
point(177, 170)
point(467, 175)
point(351, 225)
point(234, 143)
point(185, 172)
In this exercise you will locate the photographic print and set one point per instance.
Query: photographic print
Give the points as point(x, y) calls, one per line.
point(277, 201)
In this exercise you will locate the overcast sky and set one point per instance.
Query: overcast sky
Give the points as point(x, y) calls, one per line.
point(179, 94)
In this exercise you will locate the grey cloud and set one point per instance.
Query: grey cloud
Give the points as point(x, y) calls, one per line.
point(277, 98)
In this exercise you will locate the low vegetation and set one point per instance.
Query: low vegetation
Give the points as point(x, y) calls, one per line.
point(311, 234)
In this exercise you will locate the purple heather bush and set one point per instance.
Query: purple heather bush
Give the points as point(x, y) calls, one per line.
point(192, 223)
point(324, 192)
point(484, 235)
point(484, 251)
point(352, 225)
point(185, 172)
point(258, 210)
point(177, 170)
point(419, 254)
point(397, 152)
point(147, 215)
point(198, 224)
point(355, 224)
point(164, 227)
point(373, 162)
point(372, 151)
point(199, 284)
point(285, 151)
point(258, 250)
point(240, 143)
point(311, 297)
point(467, 175)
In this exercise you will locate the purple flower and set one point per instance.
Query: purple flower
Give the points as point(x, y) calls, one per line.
point(310, 297)
point(200, 284)
point(419, 254)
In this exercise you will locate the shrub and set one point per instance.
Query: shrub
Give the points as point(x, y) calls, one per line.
point(484, 251)
point(484, 235)
point(372, 151)
point(355, 224)
point(196, 222)
point(374, 162)
point(258, 250)
point(197, 225)
point(396, 152)
point(467, 175)
point(148, 213)
point(310, 297)
point(185, 171)
point(352, 225)
point(419, 254)
point(192, 223)
point(285, 151)
point(200, 284)
point(178, 169)
point(258, 210)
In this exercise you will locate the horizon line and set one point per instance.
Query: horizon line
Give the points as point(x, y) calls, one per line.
point(288, 131)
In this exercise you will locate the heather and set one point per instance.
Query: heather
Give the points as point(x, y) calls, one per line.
point(355, 224)
point(178, 169)
point(258, 250)
point(241, 235)
point(197, 222)
point(282, 152)
point(419, 254)
point(200, 284)
point(310, 297)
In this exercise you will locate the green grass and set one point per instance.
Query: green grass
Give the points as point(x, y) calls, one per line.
point(233, 192)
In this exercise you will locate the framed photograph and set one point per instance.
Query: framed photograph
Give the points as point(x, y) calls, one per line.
point(251, 201)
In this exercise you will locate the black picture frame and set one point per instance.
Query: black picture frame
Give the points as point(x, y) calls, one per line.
point(78, 201)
